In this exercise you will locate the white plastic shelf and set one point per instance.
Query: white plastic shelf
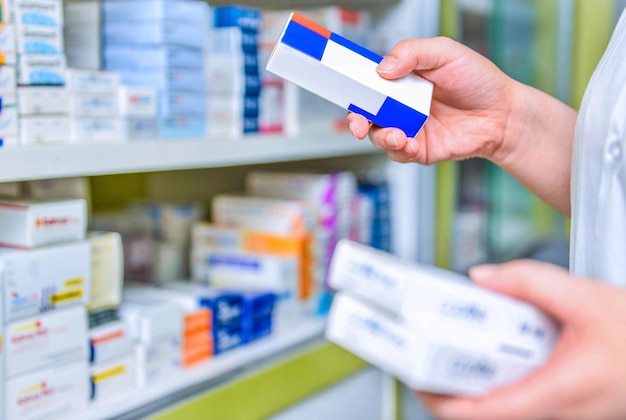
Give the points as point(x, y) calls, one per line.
point(44, 162)
point(207, 374)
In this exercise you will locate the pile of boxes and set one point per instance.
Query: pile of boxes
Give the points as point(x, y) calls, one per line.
point(233, 76)
point(161, 44)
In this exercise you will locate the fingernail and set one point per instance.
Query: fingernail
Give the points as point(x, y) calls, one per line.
point(412, 146)
point(388, 65)
point(351, 128)
point(391, 139)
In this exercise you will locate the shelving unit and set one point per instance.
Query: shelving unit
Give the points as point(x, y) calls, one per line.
point(20, 164)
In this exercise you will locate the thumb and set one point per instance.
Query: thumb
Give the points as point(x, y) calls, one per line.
point(418, 54)
point(546, 286)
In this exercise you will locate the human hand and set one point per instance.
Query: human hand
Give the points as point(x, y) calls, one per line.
point(472, 102)
point(585, 377)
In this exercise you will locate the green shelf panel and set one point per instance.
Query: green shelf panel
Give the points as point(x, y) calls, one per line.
point(273, 389)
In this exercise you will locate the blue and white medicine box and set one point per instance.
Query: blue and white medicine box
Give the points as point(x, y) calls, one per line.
point(176, 10)
point(246, 18)
point(152, 56)
point(344, 73)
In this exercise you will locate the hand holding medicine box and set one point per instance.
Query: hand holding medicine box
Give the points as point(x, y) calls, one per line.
point(343, 72)
point(430, 327)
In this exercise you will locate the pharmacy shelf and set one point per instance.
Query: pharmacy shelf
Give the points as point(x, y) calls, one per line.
point(44, 162)
point(290, 4)
point(141, 402)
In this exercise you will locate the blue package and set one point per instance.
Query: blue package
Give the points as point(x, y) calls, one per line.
point(173, 103)
point(227, 308)
point(257, 304)
point(261, 328)
point(227, 339)
point(251, 106)
point(246, 18)
point(178, 10)
point(250, 125)
point(233, 40)
point(162, 78)
point(184, 127)
point(152, 56)
point(154, 33)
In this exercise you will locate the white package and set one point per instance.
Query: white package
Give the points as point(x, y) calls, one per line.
point(44, 279)
point(32, 223)
point(33, 100)
point(109, 341)
point(46, 340)
point(8, 85)
point(138, 101)
point(107, 270)
point(44, 129)
point(112, 377)
point(92, 104)
point(80, 80)
point(151, 319)
point(60, 392)
point(9, 124)
point(97, 130)
point(35, 39)
point(41, 69)
point(158, 361)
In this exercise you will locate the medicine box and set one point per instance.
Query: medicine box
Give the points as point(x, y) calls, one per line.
point(44, 278)
point(39, 12)
point(97, 130)
point(162, 79)
point(180, 103)
point(233, 40)
point(138, 101)
point(35, 100)
point(9, 123)
point(344, 73)
point(44, 129)
point(151, 56)
point(79, 80)
point(30, 223)
point(443, 316)
point(46, 340)
point(34, 39)
point(157, 362)
point(192, 126)
point(91, 104)
point(151, 319)
point(141, 129)
point(109, 341)
point(154, 32)
point(7, 14)
point(107, 270)
point(41, 69)
point(177, 10)
point(8, 42)
point(111, 377)
point(246, 18)
point(48, 393)
point(9, 141)
point(8, 84)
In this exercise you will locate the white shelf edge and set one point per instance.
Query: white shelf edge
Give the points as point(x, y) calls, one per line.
point(213, 369)
point(45, 162)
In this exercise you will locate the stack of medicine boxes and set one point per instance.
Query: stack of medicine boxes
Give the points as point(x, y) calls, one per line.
point(233, 76)
point(110, 342)
point(8, 58)
point(42, 101)
point(83, 38)
point(45, 284)
point(160, 43)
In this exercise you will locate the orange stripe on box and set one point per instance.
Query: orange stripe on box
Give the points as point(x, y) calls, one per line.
point(311, 25)
point(108, 337)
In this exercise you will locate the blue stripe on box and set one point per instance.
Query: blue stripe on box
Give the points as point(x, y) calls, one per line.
point(304, 40)
point(356, 48)
point(395, 114)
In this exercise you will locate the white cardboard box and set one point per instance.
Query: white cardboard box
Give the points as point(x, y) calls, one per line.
point(89, 130)
point(39, 12)
point(92, 104)
point(9, 124)
point(107, 270)
point(151, 319)
point(45, 278)
point(109, 341)
point(138, 101)
point(37, 39)
point(33, 100)
point(60, 392)
point(41, 69)
point(112, 377)
point(44, 129)
point(7, 36)
point(46, 340)
point(80, 80)
point(30, 223)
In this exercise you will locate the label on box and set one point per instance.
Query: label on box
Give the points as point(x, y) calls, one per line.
point(44, 279)
point(33, 100)
point(183, 127)
point(97, 130)
point(79, 80)
point(7, 37)
point(109, 341)
point(39, 12)
point(94, 104)
point(47, 340)
point(111, 378)
point(8, 84)
point(48, 393)
point(8, 123)
point(41, 69)
point(33, 39)
point(138, 101)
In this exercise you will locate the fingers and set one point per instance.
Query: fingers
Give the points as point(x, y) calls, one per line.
point(546, 286)
point(359, 125)
point(418, 54)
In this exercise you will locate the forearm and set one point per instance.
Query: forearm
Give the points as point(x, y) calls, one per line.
point(538, 143)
